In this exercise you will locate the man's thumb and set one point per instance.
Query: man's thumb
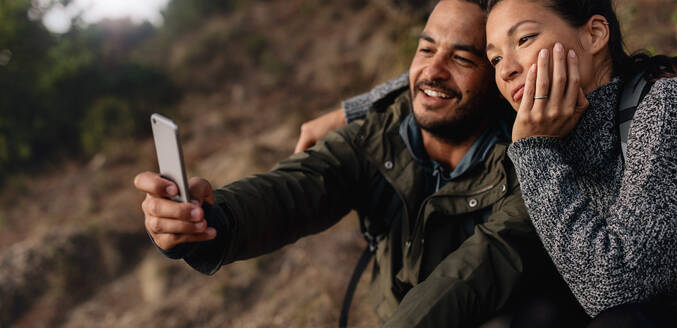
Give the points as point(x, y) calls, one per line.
point(201, 190)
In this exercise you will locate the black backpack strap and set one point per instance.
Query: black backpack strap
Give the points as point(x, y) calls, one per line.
point(373, 233)
point(348, 298)
point(633, 92)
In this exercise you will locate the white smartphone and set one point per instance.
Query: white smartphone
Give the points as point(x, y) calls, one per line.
point(169, 154)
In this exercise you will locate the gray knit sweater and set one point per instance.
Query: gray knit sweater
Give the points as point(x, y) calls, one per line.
point(358, 106)
point(611, 231)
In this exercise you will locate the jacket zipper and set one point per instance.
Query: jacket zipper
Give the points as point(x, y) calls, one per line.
point(429, 198)
point(404, 203)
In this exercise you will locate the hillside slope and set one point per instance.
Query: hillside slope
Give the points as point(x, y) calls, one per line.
point(74, 252)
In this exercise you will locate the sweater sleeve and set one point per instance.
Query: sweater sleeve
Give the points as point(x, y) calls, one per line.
point(357, 107)
point(630, 254)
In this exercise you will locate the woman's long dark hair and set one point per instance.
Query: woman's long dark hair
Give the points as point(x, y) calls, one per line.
point(578, 12)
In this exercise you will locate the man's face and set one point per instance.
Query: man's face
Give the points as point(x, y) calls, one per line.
point(451, 80)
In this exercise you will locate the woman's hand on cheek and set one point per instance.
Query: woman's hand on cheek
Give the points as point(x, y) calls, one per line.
point(551, 106)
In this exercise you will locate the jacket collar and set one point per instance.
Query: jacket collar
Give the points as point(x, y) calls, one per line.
point(410, 133)
point(397, 160)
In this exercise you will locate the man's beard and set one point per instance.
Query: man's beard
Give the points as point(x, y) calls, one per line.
point(465, 122)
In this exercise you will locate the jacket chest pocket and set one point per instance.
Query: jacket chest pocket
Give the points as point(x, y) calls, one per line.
point(440, 235)
point(457, 217)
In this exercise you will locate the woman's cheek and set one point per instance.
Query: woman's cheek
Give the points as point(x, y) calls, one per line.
point(503, 89)
point(500, 85)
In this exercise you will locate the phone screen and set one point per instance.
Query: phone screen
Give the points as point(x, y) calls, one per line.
point(169, 154)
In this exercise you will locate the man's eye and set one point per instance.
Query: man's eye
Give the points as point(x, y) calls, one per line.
point(426, 50)
point(464, 60)
point(494, 61)
point(526, 38)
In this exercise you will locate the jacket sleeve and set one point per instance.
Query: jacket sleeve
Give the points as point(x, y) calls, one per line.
point(357, 107)
point(475, 281)
point(628, 254)
point(302, 195)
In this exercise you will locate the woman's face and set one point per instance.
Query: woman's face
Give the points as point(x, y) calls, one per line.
point(516, 31)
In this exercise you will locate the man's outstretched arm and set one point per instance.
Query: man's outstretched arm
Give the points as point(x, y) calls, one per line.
point(302, 195)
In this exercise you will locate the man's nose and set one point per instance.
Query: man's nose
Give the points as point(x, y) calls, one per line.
point(509, 69)
point(438, 69)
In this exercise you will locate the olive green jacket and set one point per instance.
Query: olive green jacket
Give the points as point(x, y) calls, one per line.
point(430, 269)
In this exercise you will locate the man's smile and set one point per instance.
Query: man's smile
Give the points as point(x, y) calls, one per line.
point(436, 94)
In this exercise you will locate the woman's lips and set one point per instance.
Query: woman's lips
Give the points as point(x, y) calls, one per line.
point(518, 93)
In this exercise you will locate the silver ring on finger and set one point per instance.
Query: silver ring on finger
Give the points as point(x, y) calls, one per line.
point(540, 97)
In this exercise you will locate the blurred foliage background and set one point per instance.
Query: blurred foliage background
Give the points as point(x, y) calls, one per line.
point(67, 94)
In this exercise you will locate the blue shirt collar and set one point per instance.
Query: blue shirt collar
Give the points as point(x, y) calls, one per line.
point(410, 133)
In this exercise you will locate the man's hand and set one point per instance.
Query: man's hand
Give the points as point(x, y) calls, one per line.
point(170, 223)
point(314, 130)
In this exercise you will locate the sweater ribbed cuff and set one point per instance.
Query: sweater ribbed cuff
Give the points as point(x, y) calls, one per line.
point(357, 107)
point(533, 150)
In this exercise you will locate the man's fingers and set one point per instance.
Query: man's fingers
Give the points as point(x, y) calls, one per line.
point(201, 190)
point(314, 130)
point(156, 225)
point(152, 183)
point(304, 143)
point(165, 208)
point(168, 241)
point(171, 223)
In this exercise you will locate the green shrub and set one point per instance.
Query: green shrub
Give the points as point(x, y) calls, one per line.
point(107, 119)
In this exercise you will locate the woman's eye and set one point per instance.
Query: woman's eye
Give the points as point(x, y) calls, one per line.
point(494, 61)
point(526, 38)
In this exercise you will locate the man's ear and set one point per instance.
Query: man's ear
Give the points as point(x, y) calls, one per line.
point(595, 34)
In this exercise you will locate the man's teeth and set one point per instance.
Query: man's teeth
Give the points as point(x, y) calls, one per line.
point(432, 93)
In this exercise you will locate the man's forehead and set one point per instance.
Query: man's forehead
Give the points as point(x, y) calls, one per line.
point(457, 21)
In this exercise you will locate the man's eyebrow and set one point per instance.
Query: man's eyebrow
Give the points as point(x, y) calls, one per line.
point(426, 37)
point(512, 29)
point(469, 48)
point(463, 47)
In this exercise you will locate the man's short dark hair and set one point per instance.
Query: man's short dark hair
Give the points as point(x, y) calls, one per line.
point(481, 3)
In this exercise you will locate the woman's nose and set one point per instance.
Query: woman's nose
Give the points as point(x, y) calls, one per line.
point(509, 69)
